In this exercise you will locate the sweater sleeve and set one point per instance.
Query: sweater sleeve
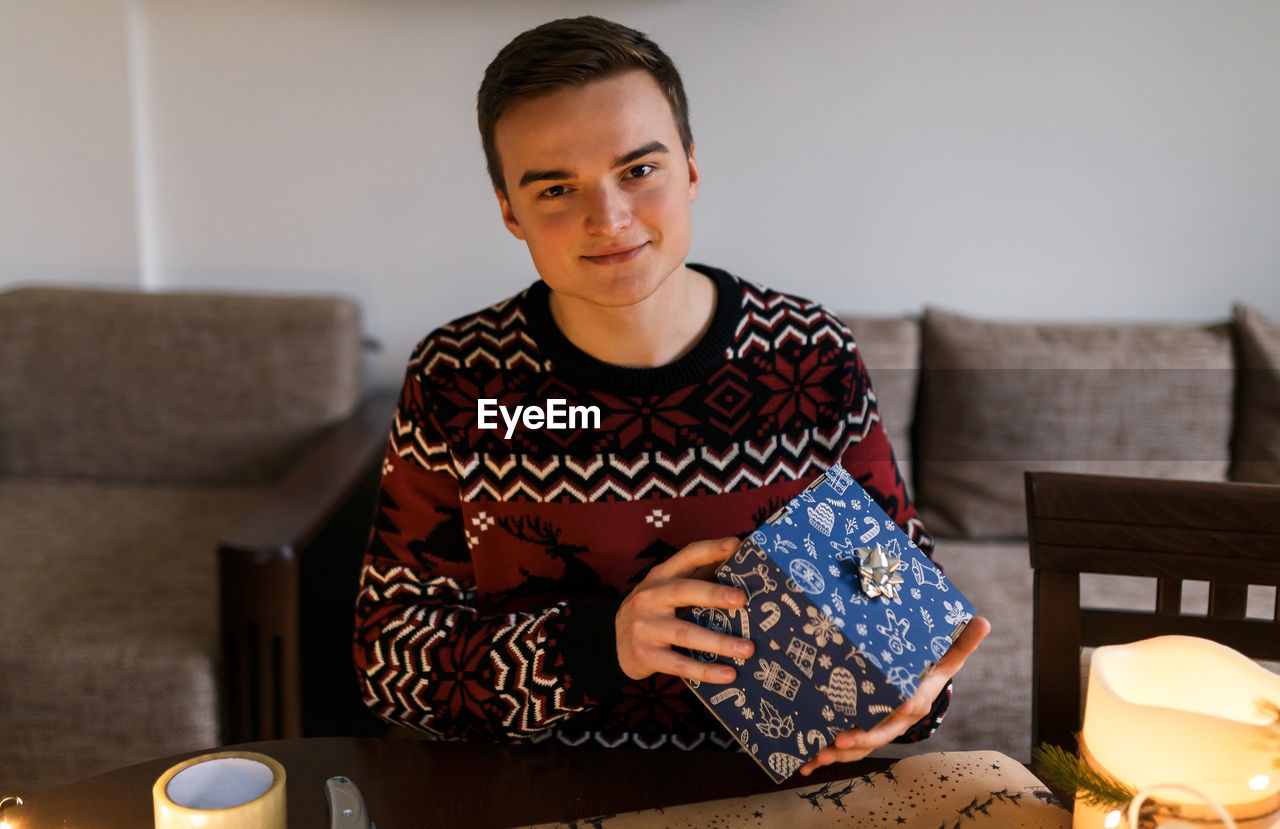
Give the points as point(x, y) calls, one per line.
point(870, 460)
point(426, 656)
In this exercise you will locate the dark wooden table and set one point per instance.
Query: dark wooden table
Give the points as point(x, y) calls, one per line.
point(422, 784)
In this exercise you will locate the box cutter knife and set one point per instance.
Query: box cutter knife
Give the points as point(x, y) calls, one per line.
point(346, 805)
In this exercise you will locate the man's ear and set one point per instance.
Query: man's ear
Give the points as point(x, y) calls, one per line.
point(508, 215)
point(694, 179)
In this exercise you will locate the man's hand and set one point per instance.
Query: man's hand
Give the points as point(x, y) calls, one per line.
point(647, 624)
point(855, 744)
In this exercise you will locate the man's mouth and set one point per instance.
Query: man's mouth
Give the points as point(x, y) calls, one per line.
point(615, 255)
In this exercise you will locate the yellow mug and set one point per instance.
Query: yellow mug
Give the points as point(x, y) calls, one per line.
point(222, 790)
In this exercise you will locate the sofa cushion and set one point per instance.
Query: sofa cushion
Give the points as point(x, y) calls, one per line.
point(172, 387)
point(1114, 399)
point(890, 349)
point(108, 614)
point(1255, 455)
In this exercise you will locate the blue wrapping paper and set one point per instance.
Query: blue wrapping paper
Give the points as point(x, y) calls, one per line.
point(828, 657)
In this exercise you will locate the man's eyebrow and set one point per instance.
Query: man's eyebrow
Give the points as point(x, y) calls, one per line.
point(555, 175)
point(641, 152)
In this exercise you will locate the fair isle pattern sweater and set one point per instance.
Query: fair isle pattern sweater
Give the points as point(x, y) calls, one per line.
point(496, 565)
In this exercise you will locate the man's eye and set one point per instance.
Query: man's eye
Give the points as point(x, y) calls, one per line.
point(555, 191)
point(640, 170)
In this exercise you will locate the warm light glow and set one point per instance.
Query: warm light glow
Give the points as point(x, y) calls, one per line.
point(1181, 710)
point(1113, 820)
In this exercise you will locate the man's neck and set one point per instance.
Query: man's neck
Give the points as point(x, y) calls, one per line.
point(659, 330)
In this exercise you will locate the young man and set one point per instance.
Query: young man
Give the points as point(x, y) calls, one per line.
point(526, 570)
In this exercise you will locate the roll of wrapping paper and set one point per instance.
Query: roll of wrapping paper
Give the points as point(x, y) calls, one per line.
point(222, 790)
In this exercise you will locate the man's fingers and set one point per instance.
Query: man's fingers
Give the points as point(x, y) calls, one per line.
point(973, 634)
point(829, 755)
point(691, 558)
point(668, 661)
point(921, 702)
point(970, 637)
point(855, 744)
point(691, 593)
point(697, 638)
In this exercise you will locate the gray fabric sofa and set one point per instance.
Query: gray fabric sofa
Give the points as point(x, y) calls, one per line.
point(138, 432)
point(970, 404)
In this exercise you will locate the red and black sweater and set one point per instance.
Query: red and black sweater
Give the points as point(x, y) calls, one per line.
point(496, 565)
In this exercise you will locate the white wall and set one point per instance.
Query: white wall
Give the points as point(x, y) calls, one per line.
point(1081, 159)
point(67, 198)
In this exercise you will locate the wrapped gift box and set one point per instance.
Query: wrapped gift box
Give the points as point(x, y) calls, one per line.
point(847, 616)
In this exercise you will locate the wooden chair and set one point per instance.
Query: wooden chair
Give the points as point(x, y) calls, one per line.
point(1227, 534)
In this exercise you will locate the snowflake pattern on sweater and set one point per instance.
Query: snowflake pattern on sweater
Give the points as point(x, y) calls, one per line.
point(496, 565)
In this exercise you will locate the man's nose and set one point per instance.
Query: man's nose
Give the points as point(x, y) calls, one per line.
point(608, 211)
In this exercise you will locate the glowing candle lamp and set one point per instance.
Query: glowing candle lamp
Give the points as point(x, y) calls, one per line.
point(1178, 710)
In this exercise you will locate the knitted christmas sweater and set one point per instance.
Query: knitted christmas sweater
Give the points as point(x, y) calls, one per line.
point(502, 547)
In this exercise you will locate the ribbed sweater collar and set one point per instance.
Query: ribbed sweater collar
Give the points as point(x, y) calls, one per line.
point(576, 366)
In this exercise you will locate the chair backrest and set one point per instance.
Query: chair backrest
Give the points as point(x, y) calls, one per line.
point(1226, 534)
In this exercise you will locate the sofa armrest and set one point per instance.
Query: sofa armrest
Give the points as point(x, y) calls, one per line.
point(315, 487)
point(287, 571)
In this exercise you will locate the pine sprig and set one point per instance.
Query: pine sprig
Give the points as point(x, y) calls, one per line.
point(1069, 773)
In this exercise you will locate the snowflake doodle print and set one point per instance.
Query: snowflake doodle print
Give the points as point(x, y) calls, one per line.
point(851, 612)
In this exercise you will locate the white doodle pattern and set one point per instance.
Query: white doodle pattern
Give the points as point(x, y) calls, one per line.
point(778, 680)
point(822, 628)
point(902, 679)
point(783, 764)
point(772, 613)
point(895, 633)
point(802, 655)
point(956, 613)
point(772, 724)
point(807, 577)
point(928, 575)
point(872, 531)
point(754, 582)
point(842, 690)
point(823, 518)
point(736, 694)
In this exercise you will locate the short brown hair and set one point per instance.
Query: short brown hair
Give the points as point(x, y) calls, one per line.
point(566, 53)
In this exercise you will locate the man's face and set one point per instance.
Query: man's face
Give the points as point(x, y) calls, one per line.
point(599, 188)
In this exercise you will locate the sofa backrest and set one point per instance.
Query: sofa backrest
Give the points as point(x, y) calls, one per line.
point(890, 349)
point(998, 398)
point(170, 387)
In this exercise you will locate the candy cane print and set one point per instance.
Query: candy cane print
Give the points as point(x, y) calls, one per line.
point(727, 693)
point(746, 622)
point(871, 533)
point(814, 736)
point(773, 614)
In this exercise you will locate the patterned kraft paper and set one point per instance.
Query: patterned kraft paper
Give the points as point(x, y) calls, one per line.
point(827, 658)
point(948, 790)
